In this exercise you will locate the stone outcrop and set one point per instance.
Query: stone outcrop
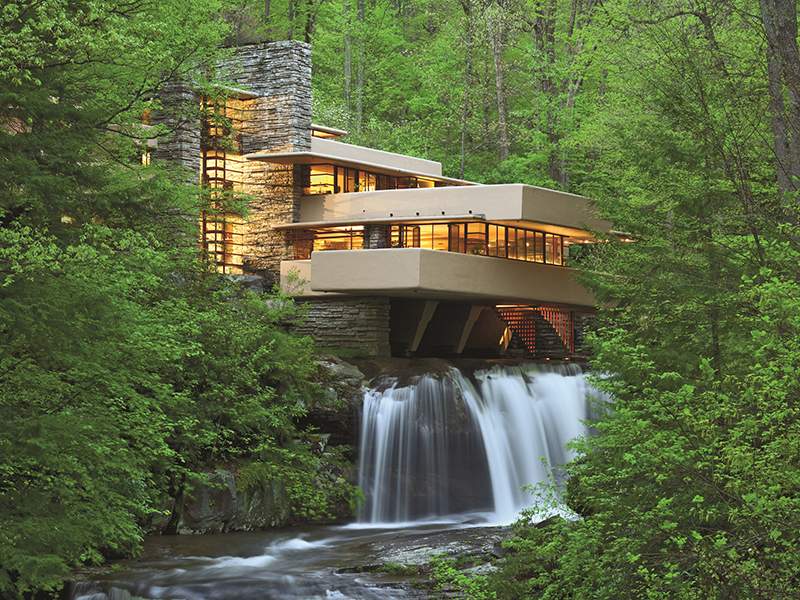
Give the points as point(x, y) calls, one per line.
point(343, 386)
point(220, 506)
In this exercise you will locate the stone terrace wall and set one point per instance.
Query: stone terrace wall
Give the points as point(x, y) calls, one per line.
point(357, 327)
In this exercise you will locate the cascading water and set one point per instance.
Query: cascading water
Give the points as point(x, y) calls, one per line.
point(454, 444)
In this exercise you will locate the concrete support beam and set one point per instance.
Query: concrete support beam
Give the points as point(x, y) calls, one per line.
point(466, 330)
point(422, 324)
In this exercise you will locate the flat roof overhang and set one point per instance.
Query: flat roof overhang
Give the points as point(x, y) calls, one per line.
point(378, 221)
point(511, 204)
point(315, 158)
point(434, 274)
point(333, 131)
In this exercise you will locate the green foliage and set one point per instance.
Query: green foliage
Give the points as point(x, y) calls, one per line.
point(691, 489)
point(313, 482)
point(447, 577)
point(127, 369)
point(400, 569)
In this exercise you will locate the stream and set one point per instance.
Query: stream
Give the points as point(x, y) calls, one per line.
point(309, 563)
point(444, 461)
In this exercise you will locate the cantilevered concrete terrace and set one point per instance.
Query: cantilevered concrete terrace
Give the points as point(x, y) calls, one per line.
point(423, 274)
point(513, 204)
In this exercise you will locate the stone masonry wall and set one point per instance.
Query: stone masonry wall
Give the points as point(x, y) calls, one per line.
point(377, 236)
point(179, 115)
point(279, 120)
point(357, 327)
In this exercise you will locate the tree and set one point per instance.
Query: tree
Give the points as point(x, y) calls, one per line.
point(690, 488)
point(128, 367)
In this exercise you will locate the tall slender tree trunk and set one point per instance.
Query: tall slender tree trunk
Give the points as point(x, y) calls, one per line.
point(465, 107)
point(291, 9)
point(361, 13)
point(348, 60)
point(311, 21)
point(268, 20)
point(544, 33)
point(495, 21)
point(779, 19)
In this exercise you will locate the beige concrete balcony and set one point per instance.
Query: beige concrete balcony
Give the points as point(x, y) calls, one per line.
point(517, 204)
point(432, 274)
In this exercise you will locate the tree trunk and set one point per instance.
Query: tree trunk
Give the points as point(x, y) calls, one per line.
point(496, 35)
point(311, 19)
point(465, 107)
point(360, 67)
point(348, 61)
point(290, 14)
point(779, 19)
point(544, 33)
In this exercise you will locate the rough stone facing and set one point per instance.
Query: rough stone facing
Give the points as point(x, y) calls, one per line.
point(356, 326)
point(377, 236)
point(280, 74)
point(180, 106)
point(279, 120)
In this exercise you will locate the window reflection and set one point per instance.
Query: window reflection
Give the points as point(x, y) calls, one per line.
point(483, 239)
point(333, 179)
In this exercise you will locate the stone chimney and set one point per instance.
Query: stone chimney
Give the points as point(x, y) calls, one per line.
point(278, 120)
point(275, 117)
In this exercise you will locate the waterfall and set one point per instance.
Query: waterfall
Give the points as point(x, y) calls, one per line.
point(452, 443)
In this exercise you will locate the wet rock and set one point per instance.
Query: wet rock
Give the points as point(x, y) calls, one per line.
point(484, 569)
point(465, 545)
point(336, 412)
point(220, 506)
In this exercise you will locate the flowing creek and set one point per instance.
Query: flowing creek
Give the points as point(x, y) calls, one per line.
point(443, 463)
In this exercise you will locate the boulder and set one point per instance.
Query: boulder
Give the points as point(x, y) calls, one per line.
point(219, 506)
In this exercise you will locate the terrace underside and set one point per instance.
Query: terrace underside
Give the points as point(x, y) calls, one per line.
point(443, 303)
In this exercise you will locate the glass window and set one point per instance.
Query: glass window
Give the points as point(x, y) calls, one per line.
point(552, 249)
point(476, 239)
point(512, 242)
point(385, 182)
point(521, 246)
point(457, 237)
point(491, 245)
point(340, 179)
point(425, 236)
point(440, 237)
point(539, 247)
point(321, 179)
point(411, 236)
point(339, 238)
point(351, 180)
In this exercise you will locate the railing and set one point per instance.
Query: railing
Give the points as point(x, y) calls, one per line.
point(534, 326)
